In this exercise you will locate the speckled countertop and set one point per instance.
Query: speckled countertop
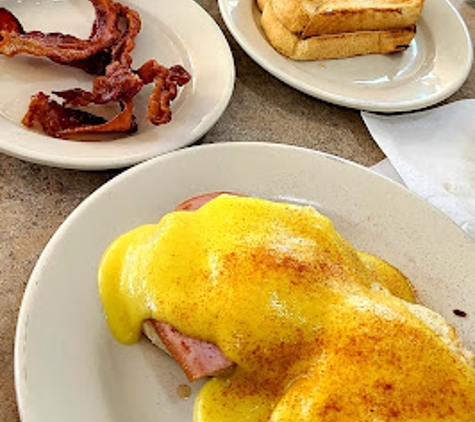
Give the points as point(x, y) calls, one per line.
point(36, 199)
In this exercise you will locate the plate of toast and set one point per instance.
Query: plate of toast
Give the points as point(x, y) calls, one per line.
point(402, 56)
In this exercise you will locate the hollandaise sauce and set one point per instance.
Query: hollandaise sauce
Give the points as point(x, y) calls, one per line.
point(318, 331)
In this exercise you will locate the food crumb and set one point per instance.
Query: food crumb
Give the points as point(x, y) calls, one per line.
point(460, 313)
point(183, 391)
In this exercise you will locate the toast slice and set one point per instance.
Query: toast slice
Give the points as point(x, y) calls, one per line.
point(308, 18)
point(332, 46)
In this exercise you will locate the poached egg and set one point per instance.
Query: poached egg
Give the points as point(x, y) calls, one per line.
point(318, 330)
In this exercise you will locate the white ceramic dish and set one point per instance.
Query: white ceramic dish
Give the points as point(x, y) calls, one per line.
point(435, 65)
point(176, 32)
point(67, 365)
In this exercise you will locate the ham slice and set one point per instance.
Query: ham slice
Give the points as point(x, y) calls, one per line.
point(197, 358)
point(198, 201)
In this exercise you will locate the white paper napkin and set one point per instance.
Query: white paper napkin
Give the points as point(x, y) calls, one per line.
point(433, 152)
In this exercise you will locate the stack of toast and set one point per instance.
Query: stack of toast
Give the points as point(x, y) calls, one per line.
point(331, 29)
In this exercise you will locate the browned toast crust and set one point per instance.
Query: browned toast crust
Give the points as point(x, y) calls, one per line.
point(332, 46)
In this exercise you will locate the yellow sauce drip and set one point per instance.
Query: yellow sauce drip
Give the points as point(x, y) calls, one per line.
point(303, 315)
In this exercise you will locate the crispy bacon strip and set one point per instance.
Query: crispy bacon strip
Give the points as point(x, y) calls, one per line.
point(165, 90)
point(53, 117)
point(118, 84)
point(121, 51)
point(63, 122)
point(61, 48)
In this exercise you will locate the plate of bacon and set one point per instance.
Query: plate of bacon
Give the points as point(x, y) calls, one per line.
point(100, 84)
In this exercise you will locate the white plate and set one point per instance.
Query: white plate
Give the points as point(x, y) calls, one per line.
point(173, 32)
point(67, 365)
point(435, 65)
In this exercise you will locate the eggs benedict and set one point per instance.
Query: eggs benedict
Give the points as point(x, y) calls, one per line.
point(304, 327)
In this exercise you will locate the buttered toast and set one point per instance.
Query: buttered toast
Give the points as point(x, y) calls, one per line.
point(316, 17)
point(332, 46)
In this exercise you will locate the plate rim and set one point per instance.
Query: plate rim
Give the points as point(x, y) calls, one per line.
point(313, 90)
point(14, 130)
point(34, 283)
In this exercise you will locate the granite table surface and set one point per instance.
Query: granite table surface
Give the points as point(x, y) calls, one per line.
point(35, 199)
